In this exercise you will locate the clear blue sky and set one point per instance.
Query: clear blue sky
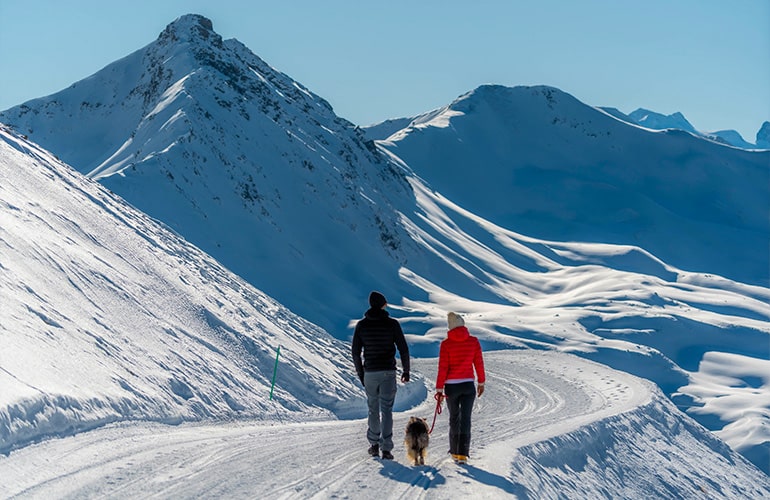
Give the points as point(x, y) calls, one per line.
point(709, 59)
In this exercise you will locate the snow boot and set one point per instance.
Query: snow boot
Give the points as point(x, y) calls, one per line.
point(460, 459)
point(386, 455)
point(374, 450)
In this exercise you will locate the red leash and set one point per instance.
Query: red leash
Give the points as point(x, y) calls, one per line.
point(438, 398)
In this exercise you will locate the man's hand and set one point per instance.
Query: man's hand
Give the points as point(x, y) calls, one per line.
point(405, 378)
point(480, 389)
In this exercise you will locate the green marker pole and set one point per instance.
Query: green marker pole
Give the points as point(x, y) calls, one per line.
point(275, 371)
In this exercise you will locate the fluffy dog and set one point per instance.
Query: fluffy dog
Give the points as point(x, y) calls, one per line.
point(416, 440)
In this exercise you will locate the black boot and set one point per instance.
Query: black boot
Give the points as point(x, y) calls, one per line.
point(374, 450)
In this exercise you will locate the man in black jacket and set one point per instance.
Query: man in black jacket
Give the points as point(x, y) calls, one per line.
point(379, 335)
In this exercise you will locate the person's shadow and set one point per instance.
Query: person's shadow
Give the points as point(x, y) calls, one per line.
point(419, 476)
point(495, 480)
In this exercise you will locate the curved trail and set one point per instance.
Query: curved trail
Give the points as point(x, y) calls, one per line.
point(530, 396)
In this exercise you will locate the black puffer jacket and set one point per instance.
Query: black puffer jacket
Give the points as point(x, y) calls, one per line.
point(379, 335)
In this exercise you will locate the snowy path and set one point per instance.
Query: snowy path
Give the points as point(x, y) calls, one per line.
point(531, 396)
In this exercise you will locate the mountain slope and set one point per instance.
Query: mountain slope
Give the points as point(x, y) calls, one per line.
point(243, 161)
point(107, 316)
point(702, 338)
point(540, 162)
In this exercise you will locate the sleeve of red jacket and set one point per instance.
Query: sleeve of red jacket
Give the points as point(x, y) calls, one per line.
point(478, 364)
point(443, 367)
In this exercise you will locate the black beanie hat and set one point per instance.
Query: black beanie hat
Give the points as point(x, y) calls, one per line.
point(377, 300)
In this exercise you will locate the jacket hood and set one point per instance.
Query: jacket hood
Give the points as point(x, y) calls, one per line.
point(459, 333)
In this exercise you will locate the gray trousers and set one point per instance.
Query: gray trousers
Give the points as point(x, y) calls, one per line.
point(380, 395)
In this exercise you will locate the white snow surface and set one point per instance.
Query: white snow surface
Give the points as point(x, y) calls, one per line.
point(116, 330)
point(241, 160)
point(549, 426)
point(109, 316)
point(538, 161)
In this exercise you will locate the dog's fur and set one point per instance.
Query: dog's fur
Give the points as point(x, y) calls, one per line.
point(416, 439)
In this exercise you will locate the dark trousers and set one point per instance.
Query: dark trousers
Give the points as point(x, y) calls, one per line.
point(460, 398)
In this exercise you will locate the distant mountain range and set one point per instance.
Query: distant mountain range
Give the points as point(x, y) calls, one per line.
point(643, 117)
point(657, 121)
point(549, 223)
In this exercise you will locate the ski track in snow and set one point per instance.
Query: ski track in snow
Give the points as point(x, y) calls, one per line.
point(530, 396)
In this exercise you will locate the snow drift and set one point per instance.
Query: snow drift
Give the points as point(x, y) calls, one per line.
point(108, 316)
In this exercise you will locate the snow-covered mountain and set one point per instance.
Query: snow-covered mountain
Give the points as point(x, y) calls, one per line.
point(658, 121)
point(107, 316)
point(731, 137)
point(259, 172)
point(112, 322)
point(239, 158)
point(537, 160)
point(642, 117)
point(763, 136)
point(387, 128)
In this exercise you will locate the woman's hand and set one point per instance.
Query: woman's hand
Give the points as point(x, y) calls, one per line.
point(480, 389)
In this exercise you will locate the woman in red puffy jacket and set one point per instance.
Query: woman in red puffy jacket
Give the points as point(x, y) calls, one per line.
point(459, 356)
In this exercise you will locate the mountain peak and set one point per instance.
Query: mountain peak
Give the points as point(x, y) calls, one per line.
point(191, 27)
point(495, 97)
point(492, 92)
point(659, 121)
point(763, 136)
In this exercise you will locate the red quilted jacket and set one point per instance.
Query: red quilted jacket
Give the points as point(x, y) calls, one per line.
point(459, 355)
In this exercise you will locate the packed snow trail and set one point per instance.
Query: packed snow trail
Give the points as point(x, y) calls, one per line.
point(531, 397)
